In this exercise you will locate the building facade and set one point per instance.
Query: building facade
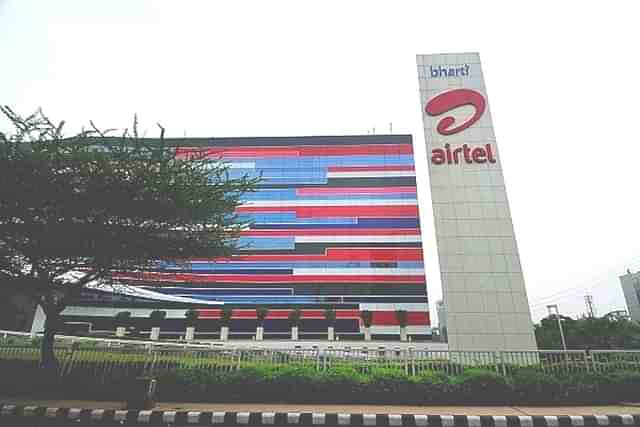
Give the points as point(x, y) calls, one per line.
point(631, 288)
point(483, 285)
point(334, 224)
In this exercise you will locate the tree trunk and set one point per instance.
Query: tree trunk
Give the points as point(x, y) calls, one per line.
point(190, 333)
point(367, 333)
point(155, 333)
point(47, 356)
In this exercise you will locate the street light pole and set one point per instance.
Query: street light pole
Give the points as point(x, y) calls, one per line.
point(557, 313)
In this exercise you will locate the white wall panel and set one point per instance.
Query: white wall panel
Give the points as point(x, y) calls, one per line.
point(482, 280)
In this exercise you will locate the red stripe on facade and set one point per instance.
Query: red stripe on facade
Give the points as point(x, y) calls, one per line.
point(276, 314)
point(268, 278)
point(332, 232)
point(312, 191)
point(333, 254)
point(410, 211)
point(185, 153)
point(388, 318)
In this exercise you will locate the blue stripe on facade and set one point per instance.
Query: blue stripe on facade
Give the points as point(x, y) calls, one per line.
point(252, 243)
point(305, 162)
point(229, 266)
point(361, 223)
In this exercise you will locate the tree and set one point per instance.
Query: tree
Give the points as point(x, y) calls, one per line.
point(191, 317)
point(367, 320)
point(402, 318)
point(330, 317)
point(295, 316)
point(74, 210)
point(122, 320)
point(261, 315)
point(606, 332)
point(226, 314)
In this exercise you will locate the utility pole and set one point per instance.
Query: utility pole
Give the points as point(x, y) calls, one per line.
point(551, 309)
point(588, 300)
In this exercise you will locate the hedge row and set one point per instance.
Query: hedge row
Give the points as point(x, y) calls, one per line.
point(385, 386)
point(343, 385)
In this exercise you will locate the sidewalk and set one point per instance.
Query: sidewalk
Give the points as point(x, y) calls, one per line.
point(630, 408)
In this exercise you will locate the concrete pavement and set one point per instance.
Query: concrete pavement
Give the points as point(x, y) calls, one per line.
point(630, 408)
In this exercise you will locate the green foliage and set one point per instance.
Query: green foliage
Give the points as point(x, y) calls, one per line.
point(226, 315)
point(180, 379)
point(432, 377)
point(261, 313)
point(483, 386)
point(294, 316)
point(156, 317)
point(330, 316)
point(401, 316)
point(123, 318)
point(367, 317)
point(191, 317)
point(534, 386)
point(75, 208)
point(588, 333)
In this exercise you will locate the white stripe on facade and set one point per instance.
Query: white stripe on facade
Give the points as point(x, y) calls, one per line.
point(112, 311)
point(383, 306)
point(358, 271)
point(395, 330)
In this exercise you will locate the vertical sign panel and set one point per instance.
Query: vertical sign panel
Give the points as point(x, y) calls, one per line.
point(483, 285)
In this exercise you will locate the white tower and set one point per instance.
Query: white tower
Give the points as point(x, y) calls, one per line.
point(483, 286)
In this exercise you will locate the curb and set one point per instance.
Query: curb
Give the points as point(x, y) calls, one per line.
point(110, 416)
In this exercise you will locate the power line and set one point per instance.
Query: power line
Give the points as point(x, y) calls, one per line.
point(572, 294)
point(584, 286)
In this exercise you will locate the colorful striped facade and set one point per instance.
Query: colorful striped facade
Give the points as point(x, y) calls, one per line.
point(334, 223)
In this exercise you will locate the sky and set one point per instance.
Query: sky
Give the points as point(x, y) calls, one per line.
point(562, 80)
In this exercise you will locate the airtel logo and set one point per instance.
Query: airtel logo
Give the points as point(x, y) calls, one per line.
point(450, 100)
point(446, 102)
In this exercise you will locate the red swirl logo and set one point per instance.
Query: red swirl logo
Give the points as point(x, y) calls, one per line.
point(450, 100)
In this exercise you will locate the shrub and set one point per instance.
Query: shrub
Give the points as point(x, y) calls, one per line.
point(383, 384)
point(535, 387)
point(588, 387)
point(123, 319)
point(156, 317)
point(483, 386)
point(625, 386)
point(105, 376)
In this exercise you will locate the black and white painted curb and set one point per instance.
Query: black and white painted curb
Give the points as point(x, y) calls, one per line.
point(107, 416)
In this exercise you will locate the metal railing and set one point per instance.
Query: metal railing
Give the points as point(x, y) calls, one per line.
point(147, 359)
